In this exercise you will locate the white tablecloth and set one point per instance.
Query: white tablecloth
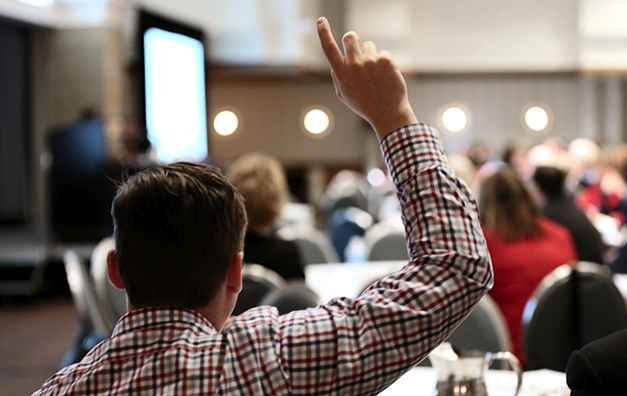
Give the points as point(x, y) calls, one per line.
point(421, 381)
point(347, 279)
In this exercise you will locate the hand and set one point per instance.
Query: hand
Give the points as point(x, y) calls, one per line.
point(369, 83)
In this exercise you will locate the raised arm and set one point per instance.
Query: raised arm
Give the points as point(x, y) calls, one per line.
point(359, 346)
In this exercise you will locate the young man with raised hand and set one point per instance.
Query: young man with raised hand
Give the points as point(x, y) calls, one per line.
point(179, 231)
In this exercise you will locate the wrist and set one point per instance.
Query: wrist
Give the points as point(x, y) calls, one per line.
point(389, 124)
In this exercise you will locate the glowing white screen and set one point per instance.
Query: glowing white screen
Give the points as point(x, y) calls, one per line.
point(176, 117)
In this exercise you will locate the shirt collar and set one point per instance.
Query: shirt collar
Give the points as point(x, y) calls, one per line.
point(143, 318)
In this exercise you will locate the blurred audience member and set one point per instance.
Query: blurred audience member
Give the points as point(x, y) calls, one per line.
point(618, 158)
point(479, 153)
point(347, 189)
point(606, 193)
point(463, 167)
point(346, 224)
point(487, 170)
point(345, 209)
point(524, 245)
point(558, 206)
point(262, 181)
point(516, 157)
point(584, 153)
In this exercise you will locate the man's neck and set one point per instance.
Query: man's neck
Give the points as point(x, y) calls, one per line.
point(207, 312)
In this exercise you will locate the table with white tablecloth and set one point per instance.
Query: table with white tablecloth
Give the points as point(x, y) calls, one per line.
point(421, 381)
point(347, 279)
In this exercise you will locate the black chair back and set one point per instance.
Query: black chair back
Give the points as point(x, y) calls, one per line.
point(483, 330)
point(572, 307)
point(314, 246)
point(257, 282)
point(391, 246)
point(294, 296)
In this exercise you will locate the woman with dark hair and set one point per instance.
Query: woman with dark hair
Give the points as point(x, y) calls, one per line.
point(524, 245)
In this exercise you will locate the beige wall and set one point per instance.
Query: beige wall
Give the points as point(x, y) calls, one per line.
point(495, 104)
point(479, 35)
point(270, 113)
point(270, 121)
point(76, 67)
point(87, 68)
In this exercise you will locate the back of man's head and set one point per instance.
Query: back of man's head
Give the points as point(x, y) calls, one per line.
point(176, 228)
point(550, 180)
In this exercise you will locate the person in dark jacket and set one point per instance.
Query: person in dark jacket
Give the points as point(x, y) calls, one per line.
point(599, 368)
point(560, 207)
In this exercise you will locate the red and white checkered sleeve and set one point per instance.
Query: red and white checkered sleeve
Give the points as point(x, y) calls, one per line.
point(360, 346)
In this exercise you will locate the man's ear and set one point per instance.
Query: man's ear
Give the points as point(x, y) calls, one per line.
point(234, 274)
point(113, 268)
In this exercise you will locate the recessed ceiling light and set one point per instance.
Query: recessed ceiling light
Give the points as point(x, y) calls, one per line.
point(316, 121)
point(536, 118)
point(225, 123)
point(454, 119)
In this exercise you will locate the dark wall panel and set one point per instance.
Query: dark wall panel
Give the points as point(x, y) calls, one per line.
point(13, 122)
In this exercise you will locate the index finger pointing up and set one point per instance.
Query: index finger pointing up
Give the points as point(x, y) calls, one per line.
point(329, 46)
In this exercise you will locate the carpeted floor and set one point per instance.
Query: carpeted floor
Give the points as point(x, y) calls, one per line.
point(34, 336)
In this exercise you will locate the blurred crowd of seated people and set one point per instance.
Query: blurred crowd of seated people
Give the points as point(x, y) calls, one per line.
point(578, 186)
point(544, 206)
point(541, 206)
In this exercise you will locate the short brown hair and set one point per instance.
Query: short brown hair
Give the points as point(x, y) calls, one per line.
point(261, 180)
point(176, 228)
point(507, 207)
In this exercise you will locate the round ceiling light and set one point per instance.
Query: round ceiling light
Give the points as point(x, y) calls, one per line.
point(454, 119)
point(316, 121)
point(536, 118)
point(225, 123)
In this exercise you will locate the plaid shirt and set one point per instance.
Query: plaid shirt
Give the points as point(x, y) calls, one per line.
point(348, 346)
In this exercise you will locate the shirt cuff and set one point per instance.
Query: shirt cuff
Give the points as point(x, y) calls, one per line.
point(411, 148)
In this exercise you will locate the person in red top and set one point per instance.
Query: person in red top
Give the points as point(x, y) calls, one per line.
point(524, 246)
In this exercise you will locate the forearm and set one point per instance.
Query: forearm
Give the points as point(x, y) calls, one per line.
point(439, 212)
point(449, 268)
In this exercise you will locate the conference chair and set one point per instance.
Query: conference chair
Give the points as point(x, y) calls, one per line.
point(293, 296)
point(571, 307)
point(313, 244)
point(386, 242)
point(91, 326)
point(347, 189)
point(483, 330)
point(111, 300)
point(257, 282)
